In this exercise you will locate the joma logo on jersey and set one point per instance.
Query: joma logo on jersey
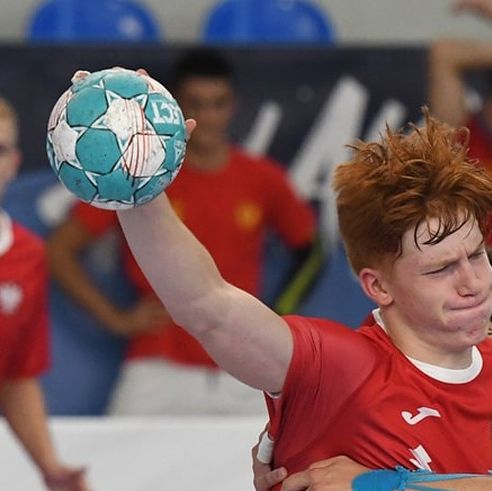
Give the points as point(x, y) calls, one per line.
point(10, 298)
point(422, 413)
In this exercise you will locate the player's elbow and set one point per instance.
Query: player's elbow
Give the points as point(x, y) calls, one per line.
point(203, 315)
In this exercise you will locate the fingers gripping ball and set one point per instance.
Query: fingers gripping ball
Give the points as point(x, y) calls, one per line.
point(116, 138)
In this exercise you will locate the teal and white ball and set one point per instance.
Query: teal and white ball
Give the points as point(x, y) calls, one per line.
point(116, 139)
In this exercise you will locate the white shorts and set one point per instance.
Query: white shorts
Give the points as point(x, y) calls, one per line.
point(158, 387)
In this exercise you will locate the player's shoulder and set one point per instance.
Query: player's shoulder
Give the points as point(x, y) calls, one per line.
point(26, 240)
point(334, 338)
point(325, 328)
point(28, 250)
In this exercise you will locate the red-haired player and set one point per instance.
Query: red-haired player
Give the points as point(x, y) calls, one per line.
point(411, 390)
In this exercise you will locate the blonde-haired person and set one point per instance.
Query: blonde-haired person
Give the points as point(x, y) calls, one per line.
point(24, 327)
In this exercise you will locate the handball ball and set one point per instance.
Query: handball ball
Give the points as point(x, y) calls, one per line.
point(116, 138)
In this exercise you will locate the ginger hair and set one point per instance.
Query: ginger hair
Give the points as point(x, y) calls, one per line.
point(401, 182)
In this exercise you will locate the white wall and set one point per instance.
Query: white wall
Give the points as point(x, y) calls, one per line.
point(139, 454)
point(357, 21)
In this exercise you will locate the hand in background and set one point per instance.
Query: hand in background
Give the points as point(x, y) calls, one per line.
point(478, 7)
point(146, 315)
point(335, 474)
point(66, 479)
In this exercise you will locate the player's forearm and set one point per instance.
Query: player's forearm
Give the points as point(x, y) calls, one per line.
point(449, 60)
point(463, 54)
point(179, 268)
point(22, 403)
point(241, 334)
point(470, 484)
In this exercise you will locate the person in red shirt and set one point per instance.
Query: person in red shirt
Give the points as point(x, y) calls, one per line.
point(231, 200)
point(24, 334)
point(410, 390)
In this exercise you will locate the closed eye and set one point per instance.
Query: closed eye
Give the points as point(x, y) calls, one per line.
point(477, 254)
point(440, 270)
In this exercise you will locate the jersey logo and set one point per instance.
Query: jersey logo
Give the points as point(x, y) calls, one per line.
point(422, 413)
point(422, 459)
point(10, 298)
point(248, 215)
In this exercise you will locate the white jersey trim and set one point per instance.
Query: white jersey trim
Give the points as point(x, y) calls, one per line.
point(6, 233)
point(447, 375)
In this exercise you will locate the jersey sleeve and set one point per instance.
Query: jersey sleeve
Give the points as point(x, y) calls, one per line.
point(95, 220)
point(30, 355)
point(291, 216)
point(329, 362)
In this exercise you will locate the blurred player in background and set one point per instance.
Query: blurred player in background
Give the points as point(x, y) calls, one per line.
point(24, 334)
point(451, 60)
point(230, 200)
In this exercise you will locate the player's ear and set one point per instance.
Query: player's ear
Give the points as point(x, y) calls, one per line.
point(374, 286)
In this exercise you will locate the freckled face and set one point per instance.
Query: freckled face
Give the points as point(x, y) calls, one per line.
point(443, 291)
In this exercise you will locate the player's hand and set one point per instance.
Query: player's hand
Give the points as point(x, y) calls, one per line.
point(79, 75)
point(264, 477)
point(66, 479)
point(479, 7)
point(145, 316)
point(190, 126)
point(334, 474)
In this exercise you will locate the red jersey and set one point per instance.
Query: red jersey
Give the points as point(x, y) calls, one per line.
point(354, 393)
point(229, 211)
point(481, 148)
point(480, 143)
point(23, 303)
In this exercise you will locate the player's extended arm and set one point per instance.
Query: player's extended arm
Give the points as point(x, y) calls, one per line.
point(305, 270)
point(65, 246)
point(449, 60)
point(244, 336)
point(22, 404)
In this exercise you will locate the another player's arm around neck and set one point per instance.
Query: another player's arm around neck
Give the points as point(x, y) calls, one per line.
point(244, 336)
point(469, 484)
